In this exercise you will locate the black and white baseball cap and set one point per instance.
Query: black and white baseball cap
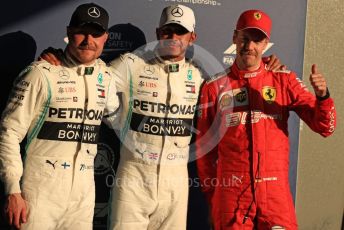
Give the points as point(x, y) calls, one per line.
point(90, 13)
point(178, 14)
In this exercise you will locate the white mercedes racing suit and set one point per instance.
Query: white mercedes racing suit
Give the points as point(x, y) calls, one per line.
point(60, 108)
point(157, 104)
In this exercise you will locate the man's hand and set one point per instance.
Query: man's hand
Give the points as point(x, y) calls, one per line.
point(273, 63)
point(15, 209)
point(52, 55)
point(318, 82)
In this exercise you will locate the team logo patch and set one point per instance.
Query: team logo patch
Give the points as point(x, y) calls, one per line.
point(63, 74)
point(189, 76)
point(94, 12)
point(100, 78)
point(149, 70)
point(177, 12)
point(257, 15)
point(269, 94)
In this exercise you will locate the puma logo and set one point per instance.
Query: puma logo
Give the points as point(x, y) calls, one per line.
point(44, 67)
point(52, 164)
point(131, 58)
point(139, 152)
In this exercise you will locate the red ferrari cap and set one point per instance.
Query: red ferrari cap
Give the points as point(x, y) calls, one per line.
point(255, 19)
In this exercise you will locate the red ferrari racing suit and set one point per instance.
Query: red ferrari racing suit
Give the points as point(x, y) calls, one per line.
point(243, 146)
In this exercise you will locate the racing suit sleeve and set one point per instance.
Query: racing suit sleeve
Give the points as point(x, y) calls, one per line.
point(319, 115)
point(120, 68)
point(22, 110)
point(206, 136)
point(112, 103)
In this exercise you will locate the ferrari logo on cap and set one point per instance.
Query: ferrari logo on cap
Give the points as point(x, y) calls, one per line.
point(257, 16)
point(269, 94)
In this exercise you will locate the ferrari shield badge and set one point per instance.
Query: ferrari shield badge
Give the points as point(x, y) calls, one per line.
point(269, 94)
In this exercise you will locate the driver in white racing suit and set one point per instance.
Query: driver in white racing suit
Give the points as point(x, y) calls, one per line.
point(60, 109)
point(158, 96)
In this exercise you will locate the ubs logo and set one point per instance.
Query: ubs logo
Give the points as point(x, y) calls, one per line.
point(147, 84)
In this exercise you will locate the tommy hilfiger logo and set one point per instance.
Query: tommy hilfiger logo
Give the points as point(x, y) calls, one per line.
point(190, 89)
point(101, 93)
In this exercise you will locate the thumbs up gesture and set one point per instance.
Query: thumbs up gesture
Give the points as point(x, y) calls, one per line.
point(318, 82)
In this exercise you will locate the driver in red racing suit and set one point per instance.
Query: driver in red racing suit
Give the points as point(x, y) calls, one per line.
point(242, 144)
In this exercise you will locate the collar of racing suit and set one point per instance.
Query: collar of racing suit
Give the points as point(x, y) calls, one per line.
point(166, 63)
point(79, 68)
point(242, 74)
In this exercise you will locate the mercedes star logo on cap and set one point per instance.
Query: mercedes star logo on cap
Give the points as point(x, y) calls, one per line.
point(94, 12)
point(177, 12)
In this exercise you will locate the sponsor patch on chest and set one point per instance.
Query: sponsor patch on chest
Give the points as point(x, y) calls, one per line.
point(233, 98)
